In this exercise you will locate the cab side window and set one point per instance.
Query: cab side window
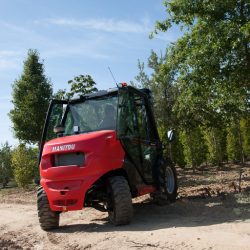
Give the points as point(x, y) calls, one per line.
point(143, 124)
point(126, 115)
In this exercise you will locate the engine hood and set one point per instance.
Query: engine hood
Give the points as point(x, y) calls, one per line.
point(80, 142)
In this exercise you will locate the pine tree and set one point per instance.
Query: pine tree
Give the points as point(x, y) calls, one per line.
point(30, 96)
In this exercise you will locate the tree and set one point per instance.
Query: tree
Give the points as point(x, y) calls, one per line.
point(194, 147)
point(164, 96)
point(233, 147)
point(30, 96)
point(5, 164)
point(216, 143)
point(82, 84)
point(212, 59)
point(210, 65)
point(159, 82)
point(61, 94)
point(245, 131)
point(24, 162)
point(142, 79)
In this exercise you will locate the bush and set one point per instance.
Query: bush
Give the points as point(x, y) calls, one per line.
point(24, 163)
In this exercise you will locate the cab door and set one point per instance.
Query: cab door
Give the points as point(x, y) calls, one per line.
point(137, 131)
point(147, 139)
point(54, 117)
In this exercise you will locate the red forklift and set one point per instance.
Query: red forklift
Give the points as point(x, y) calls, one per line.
point(101, 150)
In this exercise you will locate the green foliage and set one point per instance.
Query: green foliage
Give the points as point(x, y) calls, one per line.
point(238, 133)
point(203, 80)
point(5, 164)
point(34, 152)
point(178, 150)
point(164, 97)
point(24, 164)
point(142, 79)
point(61, 94)
point(233, 147)
point(31, 95)
point(245, 131)
point(211, 61)
point(194, 147)
point(160, 83)
point(216, 143)
point(82, 84)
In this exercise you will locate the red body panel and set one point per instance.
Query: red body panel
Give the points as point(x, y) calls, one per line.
point(146, 189)
point(66, 186)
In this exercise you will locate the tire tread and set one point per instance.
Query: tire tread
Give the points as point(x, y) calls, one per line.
point(48, 219)
point(122, 201)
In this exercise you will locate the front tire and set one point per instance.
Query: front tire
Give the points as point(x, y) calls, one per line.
point(169, 180)
point(119, 205)
point(48, 219)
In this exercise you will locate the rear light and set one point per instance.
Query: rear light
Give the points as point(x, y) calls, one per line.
point(46, 162)
point(123, 84)
point(69, 159)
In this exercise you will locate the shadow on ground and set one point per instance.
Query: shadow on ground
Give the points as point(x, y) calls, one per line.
point(183, 213)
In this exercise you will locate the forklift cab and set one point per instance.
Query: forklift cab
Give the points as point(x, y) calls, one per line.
point(125, 110)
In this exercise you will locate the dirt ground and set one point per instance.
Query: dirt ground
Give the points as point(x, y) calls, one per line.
point(209, 213)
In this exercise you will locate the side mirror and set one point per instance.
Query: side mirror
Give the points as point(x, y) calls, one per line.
point(59, 129)
point(170, 135)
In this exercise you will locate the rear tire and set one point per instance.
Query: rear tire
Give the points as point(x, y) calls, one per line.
point(48, 219)
point(119, 205)
point(169, 180)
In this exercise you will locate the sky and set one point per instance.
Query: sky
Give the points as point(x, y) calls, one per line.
point(76, 37)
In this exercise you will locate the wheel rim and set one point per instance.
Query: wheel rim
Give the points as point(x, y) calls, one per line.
point(169, 180)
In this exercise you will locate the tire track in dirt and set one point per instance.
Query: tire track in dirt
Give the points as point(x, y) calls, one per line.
point(211, 223)
point(16, 240)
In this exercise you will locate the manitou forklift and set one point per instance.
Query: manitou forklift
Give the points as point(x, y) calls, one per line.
point(101, 150)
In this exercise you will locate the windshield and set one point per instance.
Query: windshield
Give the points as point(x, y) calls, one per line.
point(91, 115)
